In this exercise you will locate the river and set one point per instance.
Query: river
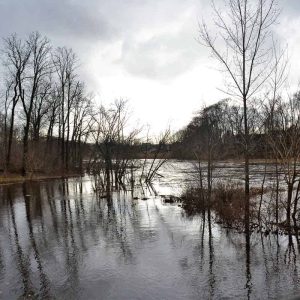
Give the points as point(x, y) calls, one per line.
point(58, 241)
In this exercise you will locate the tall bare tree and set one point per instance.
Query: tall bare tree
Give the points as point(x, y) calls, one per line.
point(245, 52)
point(40, 67)
point(65, 62)
point(16, 55)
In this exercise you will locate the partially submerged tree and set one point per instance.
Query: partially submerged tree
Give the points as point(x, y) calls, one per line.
point(245, 53)
point(284, 140)
point(113, 141)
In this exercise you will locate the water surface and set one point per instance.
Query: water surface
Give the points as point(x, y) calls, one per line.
point(58, 241)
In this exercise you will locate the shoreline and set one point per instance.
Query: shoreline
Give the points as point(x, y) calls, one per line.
point(6, 179)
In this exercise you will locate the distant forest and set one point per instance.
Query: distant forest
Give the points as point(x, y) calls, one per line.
point(217, 131)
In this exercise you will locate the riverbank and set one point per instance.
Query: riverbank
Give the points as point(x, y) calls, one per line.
point(16, 178)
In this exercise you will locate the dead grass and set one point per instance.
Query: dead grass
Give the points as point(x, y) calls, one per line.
point(227, 201)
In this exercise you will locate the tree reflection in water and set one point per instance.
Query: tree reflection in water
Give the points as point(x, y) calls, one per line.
point(58, 239)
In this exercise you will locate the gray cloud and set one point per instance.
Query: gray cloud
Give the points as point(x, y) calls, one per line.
point(56, 18)
point(122, 40)
point(162, 56)
point(81, 24)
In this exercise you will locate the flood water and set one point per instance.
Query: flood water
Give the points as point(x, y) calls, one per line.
point(58, 241)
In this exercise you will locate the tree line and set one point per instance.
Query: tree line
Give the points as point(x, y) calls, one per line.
point(49, 123)
point(45, 110)
point(217, 130)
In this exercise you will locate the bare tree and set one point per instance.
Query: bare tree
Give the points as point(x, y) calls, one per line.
point(16, 55)
point(4, 108)
point(82, 120)
point(41, 106)
point(65, 62)
point(271, 114)
point(285, 142)
point(40, 67)
point(113, 144)
point(52, 113)
point(246, 55)
point(42, 97)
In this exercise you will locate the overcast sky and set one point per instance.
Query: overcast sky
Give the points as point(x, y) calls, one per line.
point(143, 50)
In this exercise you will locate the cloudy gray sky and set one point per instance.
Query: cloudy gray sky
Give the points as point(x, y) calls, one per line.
point(142, 50)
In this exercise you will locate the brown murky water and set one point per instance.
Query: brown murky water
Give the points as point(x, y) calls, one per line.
point(57, 241)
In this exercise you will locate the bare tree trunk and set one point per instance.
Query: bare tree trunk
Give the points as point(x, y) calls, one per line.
point(288, 207)
point(296, 204)
point(209, 184)
point(10, 137)
point(25, 150)
point(277, 195)
point(247, 176)
point(262, 194)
